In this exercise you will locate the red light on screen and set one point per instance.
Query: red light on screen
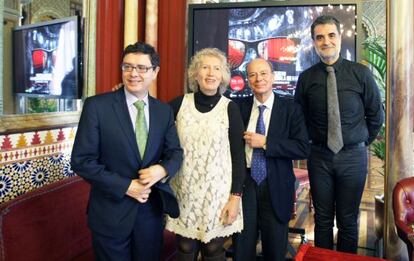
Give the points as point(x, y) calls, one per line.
point(236, 83)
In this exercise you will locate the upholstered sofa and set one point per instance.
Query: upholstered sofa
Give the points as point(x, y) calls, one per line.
point(49, 223)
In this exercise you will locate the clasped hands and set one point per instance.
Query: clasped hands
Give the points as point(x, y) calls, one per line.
point(140, 189)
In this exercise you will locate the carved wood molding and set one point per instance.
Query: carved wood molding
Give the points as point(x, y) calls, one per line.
point(31, 122)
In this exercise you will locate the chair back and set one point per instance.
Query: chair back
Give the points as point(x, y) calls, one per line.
point(403, 209)
point(403, 201)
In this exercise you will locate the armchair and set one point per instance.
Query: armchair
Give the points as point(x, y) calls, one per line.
point(403, 208)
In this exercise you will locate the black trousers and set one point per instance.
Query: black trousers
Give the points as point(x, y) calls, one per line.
point(145, 241)
point(337, 182)
point(258, 215)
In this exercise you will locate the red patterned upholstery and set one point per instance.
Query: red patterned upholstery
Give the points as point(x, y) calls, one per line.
point(49, 223)
point(403, 207)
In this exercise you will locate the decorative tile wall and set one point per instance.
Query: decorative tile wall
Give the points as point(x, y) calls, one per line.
point(32, 159)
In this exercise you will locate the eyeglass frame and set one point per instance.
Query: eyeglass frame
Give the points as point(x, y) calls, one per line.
point(139, 68)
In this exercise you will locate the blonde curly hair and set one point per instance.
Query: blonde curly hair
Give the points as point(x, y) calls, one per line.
point(195, 64)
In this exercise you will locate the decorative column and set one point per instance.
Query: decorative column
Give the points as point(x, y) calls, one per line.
point(1, 55)
point(399, 157)
point(89, 77)
point(109, 43)
point(151, 33)
point(131, 22)
point(172, 38)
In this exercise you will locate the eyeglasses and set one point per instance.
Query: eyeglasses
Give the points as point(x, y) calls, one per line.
point(263, 74)
point(281, 50)
point(125, 67)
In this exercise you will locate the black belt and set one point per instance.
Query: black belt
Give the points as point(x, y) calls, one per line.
point(345, 147)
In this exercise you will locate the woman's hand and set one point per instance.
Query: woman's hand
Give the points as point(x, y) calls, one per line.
point(117, 86)
point(231, 210)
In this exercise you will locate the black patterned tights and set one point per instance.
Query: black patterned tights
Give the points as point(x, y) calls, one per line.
point(210, 249)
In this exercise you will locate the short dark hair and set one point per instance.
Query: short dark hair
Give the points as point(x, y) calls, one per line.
point(144, 48)
point(325, 19)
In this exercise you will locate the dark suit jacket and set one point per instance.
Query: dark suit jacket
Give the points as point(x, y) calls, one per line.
point(287, 140)
point(105, 154)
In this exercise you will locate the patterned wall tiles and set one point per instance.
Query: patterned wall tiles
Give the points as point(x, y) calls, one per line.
point(32, 159)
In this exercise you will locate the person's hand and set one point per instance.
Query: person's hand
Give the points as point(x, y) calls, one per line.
point(151, 175)
point(117, 86)
point(138, 191)
point(231, 210)
point(254, 140)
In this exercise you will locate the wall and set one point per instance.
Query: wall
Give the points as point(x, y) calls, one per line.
point(29, 160)
point(8, 105)
point(374, 17)
point(41, 9)
point(32, 159)
point(10, 19)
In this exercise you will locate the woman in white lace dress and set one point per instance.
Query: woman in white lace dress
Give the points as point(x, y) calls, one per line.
point(210, 182)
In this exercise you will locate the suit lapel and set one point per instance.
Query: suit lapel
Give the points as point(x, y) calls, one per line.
point(121, 110)
point(153, 125)
point(246, 110)
point(275, 115)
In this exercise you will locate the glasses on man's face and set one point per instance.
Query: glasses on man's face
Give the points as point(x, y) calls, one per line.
point(126, 67)
point(281, 50)
point(262, 74)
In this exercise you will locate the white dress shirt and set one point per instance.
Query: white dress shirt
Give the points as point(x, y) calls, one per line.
point(253, 122)
point(133, 111)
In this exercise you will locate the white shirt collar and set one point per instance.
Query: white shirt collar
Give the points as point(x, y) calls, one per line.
point(131, 99)
point(268, 103)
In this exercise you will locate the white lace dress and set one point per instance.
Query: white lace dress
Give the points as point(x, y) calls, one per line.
point(203, 183)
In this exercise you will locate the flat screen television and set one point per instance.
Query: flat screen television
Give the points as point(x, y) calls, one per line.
point(47, 59)
point(276, 31)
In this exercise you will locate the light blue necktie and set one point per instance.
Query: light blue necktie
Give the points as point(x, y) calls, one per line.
point(258, 166)
point(141, 131)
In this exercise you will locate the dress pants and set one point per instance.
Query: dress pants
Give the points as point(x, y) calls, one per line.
point(337, 182)
point(258, 215)
point(145, 241)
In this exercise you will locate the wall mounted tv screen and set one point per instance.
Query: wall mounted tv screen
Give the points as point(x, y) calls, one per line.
point(276, 31)
point(47, 59)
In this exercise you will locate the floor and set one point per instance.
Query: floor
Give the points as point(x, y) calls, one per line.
point(366, 245)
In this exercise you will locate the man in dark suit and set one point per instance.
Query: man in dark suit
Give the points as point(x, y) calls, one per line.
point(268, 201)
point(128, 179)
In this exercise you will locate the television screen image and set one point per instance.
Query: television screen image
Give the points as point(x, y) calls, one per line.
point(274, 31)
point(47, 59)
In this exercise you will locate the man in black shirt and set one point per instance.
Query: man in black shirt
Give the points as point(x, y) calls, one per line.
point(337, 176)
